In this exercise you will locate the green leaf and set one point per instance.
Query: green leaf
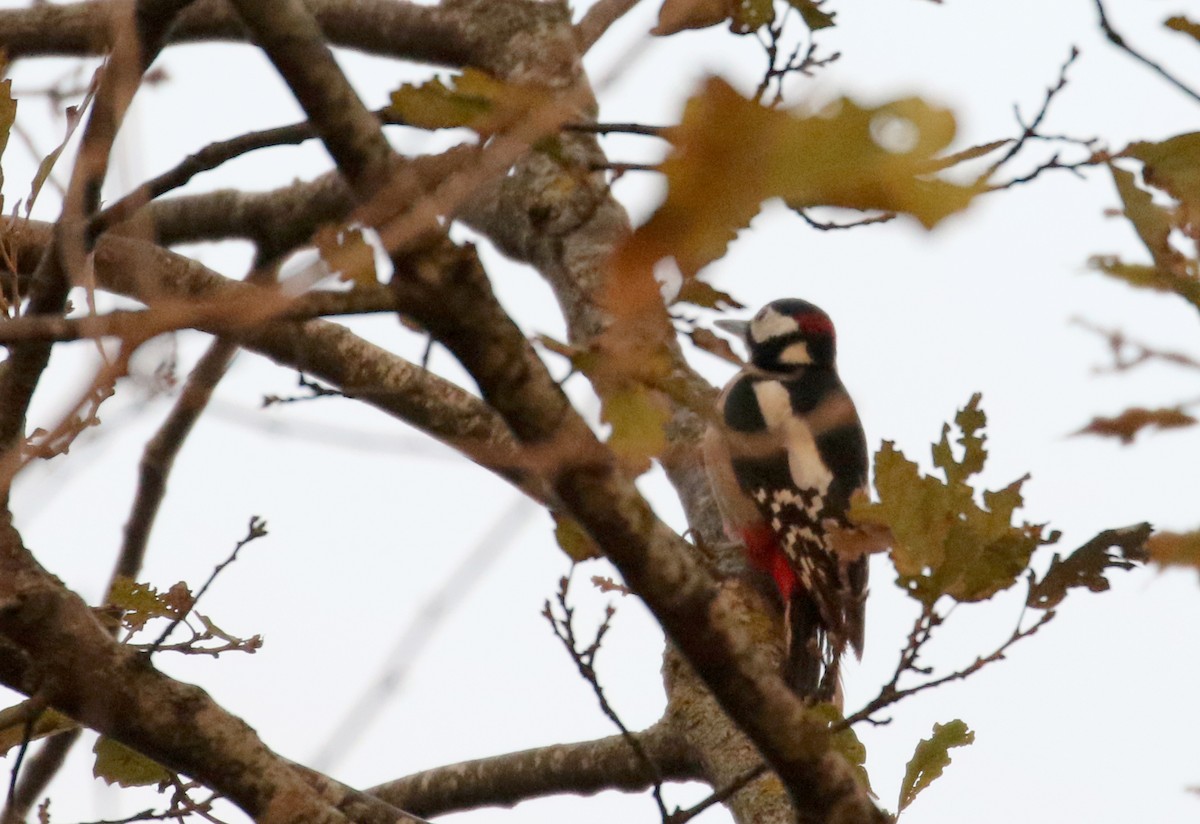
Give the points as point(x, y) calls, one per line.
point(813, 16)
point(473, 99)
point(1085, 567)
point(48, 722)
point(943, 541)
point(1148, 277)
point(751, 15)
point(8, 116)
point(1172, 165)
point(573, 539)
point(118, 764)
point(970, 420)
point(1152, 222)
point(931, 757)
point(845, 742)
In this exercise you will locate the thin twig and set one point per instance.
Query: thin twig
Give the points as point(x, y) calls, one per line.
point(617, 128)
point(315, 390)
point(564, 630)
point(719, 797)
point(828, 227)
point(1120, 42)
point(257, 529)
point(1125, 359)
point(1031, 129)
point(891, 695)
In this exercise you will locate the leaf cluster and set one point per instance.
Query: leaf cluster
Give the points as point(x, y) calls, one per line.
point(945, 543)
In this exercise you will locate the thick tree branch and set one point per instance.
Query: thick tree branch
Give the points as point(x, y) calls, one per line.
point(387, 27)
point(55, 647)
point(325, 350)
point(138, 32)
point(290, 36)
point(582, 769)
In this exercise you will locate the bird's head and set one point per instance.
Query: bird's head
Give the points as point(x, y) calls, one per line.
point(786, 335)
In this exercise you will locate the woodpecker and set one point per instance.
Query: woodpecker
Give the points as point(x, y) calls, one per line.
point(784, 456)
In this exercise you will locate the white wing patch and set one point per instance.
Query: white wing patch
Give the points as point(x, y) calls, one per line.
point(807, 469)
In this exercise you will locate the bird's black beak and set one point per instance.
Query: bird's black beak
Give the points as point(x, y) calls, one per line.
point(733, 327)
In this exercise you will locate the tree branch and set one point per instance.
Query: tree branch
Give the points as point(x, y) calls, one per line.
point(427, 34)
point(325, 350)
point(1120, 42)
point(582, 769)
point(55, 647)
point(292, 40)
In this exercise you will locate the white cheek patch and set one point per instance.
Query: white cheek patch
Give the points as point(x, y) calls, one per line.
point(770, 323)
point(807, 469)
point(796, 354)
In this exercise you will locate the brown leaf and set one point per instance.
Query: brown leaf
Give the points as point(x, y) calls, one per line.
point(1127, 425)
point(675, 16)
point(609, 585)
point(1184, 26)
point(699, 293)
point(1169, 549)
point(1085, 567)
point(714, 345)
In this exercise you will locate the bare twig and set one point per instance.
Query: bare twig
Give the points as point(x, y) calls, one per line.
point(1030, 130)
point(618, 128)
point(159, 456)
point(585, 660)
point(920, 634)
point(257, 529)
point(293, 41)
point(720, 796)
point(315, 390)
point(1128, 354)
point(827, 227)
point(1120, 42)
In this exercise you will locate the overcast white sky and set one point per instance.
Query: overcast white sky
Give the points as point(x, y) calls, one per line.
point(1095, 719)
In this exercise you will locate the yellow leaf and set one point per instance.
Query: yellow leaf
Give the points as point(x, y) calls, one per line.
point(573, 540)
point(638, 420)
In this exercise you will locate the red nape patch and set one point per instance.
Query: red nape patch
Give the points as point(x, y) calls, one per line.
point(764, 553)
point(815, 323)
